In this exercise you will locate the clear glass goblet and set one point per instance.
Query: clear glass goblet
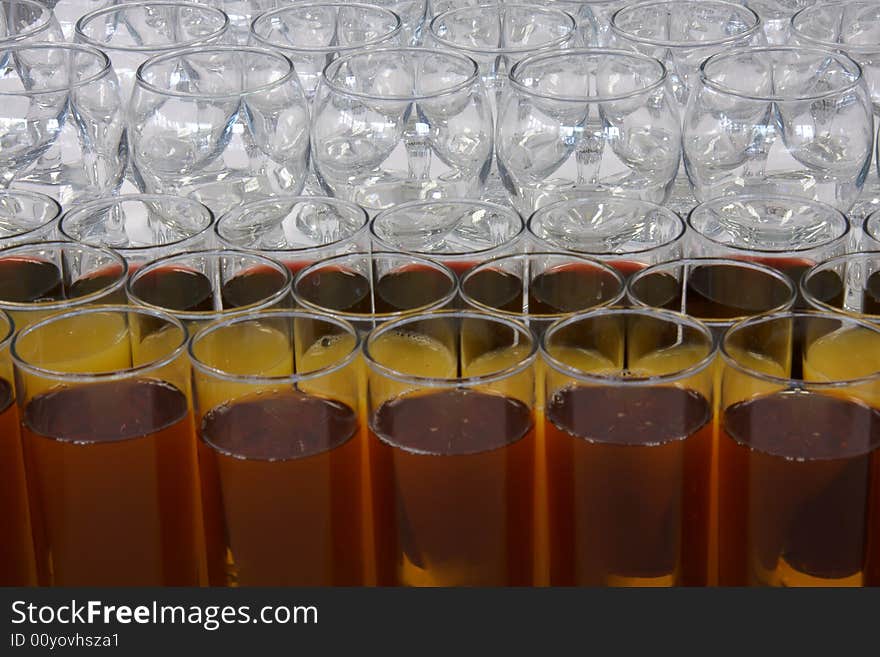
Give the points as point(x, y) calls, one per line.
point(776, 17)
point(28, 21)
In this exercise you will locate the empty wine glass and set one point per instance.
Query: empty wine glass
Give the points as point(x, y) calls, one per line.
point(241, 14)
point(401, 124)
point(593, 18)
point(27, 21)
point(226, 124)
point(62, 122)
point(312, 35)
point(776, 17)
point(140, 227)
point(779, 120)
point(587, 121)
point(132, 32)
point(68, 12)
point(413, 14)
point(852, 27)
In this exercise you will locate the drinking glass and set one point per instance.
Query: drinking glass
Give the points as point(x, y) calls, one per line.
point(241, 14)
point(629, 440)
point(43, 278)
point(27, 217)
point(848, 284)
point(413, 14)
point(27, 21)
point(17, 566)
point(452, 450)
point(799, 464)
point(225, 125)
point(295, 230)
point(459, 234)
point(628, 234)
point(587, 121)
point(109, 448)
point(278, 414)
point(62, 122)
point(401, 124)
point(776, 17)
point(852, 27)
point(313, 35)
point(140, 227)
point(132, 32)
point(200, 286)
point(788, 233)
point(871, 229)
point(368, 289)
point(782, 120)
point(593, 18)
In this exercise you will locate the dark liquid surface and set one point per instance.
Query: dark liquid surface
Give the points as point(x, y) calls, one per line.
point(344, 290)
point(252, 286)
point(279, 426)
point(105, 412)
point(562, 289)
point(452, 422)
point(796, 468)
point(28, 280)
point(716, 292)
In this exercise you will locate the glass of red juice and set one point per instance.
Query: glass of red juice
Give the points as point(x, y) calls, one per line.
point(295, 230)
point(109, 448)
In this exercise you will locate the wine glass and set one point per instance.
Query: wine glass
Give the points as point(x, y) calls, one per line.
point(776, 17)
point(852, 27)
point(781, 120)
point(401, 124)
point(587, 121)
point(413, 14)
point(593, 18)
point(62, 122)
point(225, 124)
point(28, 21)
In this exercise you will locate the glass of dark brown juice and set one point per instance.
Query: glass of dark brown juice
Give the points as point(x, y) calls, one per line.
point(16, 548)
point(295, 230)
point(459, 233)
point(848, 284)
point(280, 450)
point(799, 468)
point(627, 233)
point(628, 408)
point(41, 278)
point(451, 398)
point(367, 289)
point(109, 448)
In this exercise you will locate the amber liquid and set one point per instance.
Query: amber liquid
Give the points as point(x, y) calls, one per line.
point(344, 290)
point(797, 469)
point(452, 477)
point(28, 280)
point(113, 485)
point(282, 492)
point(16, 546)
point(628, 478)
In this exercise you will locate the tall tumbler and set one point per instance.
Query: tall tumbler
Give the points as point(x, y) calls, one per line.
point(848, 285)
point(629, 442)
point(278, 414)
point(27, 217)
point(451, 399)
point(109, 444)
point(799, 460)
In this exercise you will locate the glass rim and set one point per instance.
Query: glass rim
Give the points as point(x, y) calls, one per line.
point(331, 68)
point(868, 225)
point(240, 210)
point(75, 302)
point(842, 58)
point(670, 214)
point(537, 9)
point(41, 25)
point(516, 71)
point(101, 57)
point(830, 210)
point(83, 20)
point(790, 285)
point(35, 196)
point(441, 257)
point(7, 336)
point(731, 361)
point(272, 13)
point(752, 30)
point(521, 316)
point(434, 306)
point(109, 201)
point(831, 45)
point(270, 314)
point(824, 306)
point(94, 377)
point(669, 316)
point(202, 315)
point(290, 77)
point(459, 382)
